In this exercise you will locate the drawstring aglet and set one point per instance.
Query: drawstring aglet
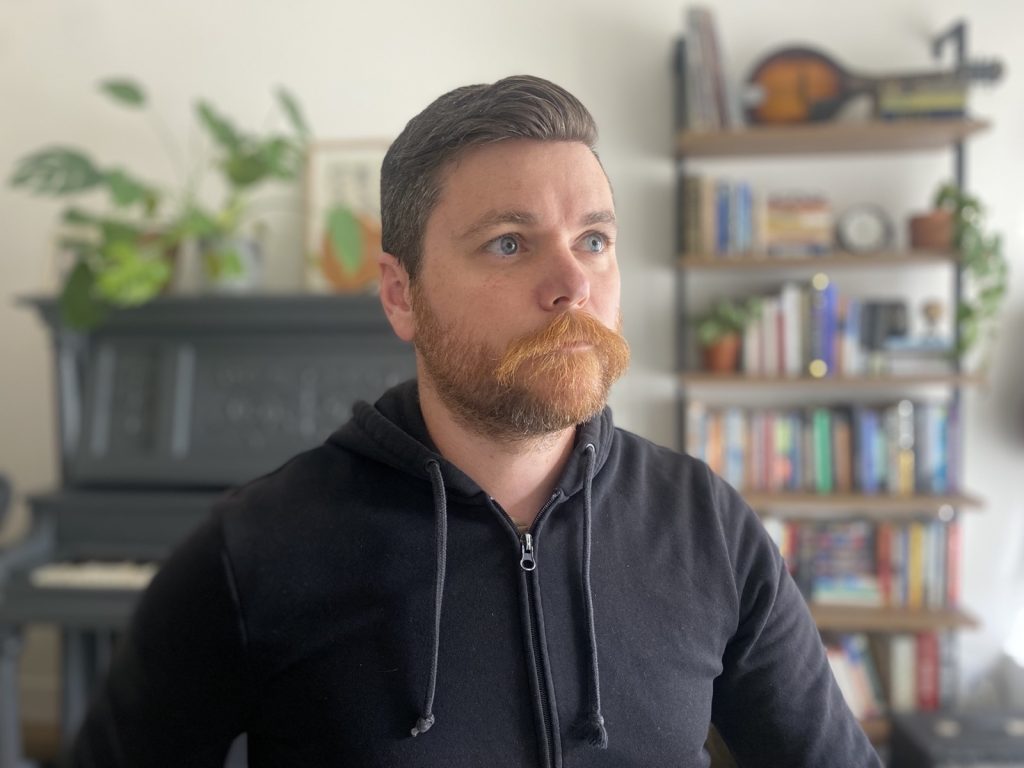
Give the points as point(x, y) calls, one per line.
point(423, 725)
point(591, 729)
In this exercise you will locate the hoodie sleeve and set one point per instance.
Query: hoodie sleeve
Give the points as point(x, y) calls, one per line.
point(174, 695)
point(776, 701)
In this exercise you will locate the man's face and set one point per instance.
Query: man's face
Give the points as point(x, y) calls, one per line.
point(516, 303)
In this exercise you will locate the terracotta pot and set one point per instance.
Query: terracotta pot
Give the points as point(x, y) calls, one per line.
point(932, 231)
point(724, 355)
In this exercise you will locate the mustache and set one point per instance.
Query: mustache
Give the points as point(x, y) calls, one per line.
point(568, 329)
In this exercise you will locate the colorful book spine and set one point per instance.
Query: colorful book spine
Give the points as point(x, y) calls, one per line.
point(823, 450)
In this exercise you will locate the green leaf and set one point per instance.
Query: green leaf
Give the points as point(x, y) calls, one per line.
point(222, 131)
point(346, 238)
point(126, 92)
point(246, 168)
point(78, 216)
point(283, 159)
point(125, 190)
point(79, 307)
point(294, 112)
point(197, 223)
point(119, 231)
point(56, 171)
point(132, 274)
point(221, 263)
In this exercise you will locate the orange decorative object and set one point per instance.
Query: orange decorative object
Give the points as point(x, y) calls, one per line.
point(334, 268)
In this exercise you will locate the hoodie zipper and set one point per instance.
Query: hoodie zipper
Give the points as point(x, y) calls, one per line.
point(528, 562)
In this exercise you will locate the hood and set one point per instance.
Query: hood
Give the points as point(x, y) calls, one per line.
point(392, 431)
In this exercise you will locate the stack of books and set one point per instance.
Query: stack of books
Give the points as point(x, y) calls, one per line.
point(903, 448)
point(707, 100)
point(900, 564)
point(893, 673)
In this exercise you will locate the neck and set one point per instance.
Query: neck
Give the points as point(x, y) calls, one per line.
point(520, 474)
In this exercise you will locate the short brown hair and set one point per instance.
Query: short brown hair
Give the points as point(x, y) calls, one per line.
point(521, 107)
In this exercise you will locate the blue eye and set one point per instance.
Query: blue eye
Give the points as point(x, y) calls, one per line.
point(506, 245)
point(595, 242)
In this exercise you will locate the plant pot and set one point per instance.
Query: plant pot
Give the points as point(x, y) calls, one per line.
point(724, 355)
point(932, 231)
point(231, 264)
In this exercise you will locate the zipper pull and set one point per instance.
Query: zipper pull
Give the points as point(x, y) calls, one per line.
point(528, 562)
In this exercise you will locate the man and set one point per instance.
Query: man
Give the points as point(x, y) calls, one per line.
point(479, 570)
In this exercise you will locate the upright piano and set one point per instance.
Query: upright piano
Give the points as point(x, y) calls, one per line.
point(160, 410)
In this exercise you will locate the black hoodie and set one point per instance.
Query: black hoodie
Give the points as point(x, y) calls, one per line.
point(369, 589)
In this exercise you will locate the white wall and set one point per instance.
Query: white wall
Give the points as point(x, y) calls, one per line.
point(362, 69)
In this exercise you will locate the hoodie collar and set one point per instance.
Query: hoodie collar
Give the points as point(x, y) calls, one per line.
point(393, 432)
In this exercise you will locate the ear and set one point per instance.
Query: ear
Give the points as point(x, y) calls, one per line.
point(394, 296)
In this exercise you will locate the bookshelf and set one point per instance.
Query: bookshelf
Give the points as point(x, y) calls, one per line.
point(890, 621)
point(705, 379)
point(808, 264)
point(837, 503)
point(856, 619)
point(829, 138)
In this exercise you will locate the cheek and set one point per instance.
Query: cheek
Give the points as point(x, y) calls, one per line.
point(605, 295)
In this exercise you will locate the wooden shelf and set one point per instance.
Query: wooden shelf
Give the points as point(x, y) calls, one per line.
point(830, 137)
point(878, 730)
point(856, 619)
point(836, 260)
point(831, 503)
point(739, 380)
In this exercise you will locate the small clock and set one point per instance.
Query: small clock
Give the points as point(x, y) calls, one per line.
point(864, 229)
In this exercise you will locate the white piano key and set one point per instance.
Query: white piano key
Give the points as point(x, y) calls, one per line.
point(93, 575)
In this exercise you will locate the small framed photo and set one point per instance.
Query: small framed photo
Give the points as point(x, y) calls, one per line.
point(342, 215)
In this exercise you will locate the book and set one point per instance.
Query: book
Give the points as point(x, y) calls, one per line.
point(865, 674)
point(682, 120)
point(927, 677)
point(822, 326)
point(903, 673)
point(822, 450)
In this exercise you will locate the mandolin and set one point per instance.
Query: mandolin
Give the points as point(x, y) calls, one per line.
point(799, 84)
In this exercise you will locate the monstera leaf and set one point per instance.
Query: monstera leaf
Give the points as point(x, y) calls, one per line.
point(57, 171)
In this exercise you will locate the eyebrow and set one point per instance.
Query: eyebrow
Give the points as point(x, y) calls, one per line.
point(525, 218)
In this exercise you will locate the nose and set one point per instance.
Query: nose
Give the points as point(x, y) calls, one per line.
point(565, 283)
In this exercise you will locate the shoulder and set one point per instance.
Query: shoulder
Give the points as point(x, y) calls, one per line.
point(685, 488)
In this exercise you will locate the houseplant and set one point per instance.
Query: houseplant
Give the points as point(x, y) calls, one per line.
point(124, 254)
point(984, 268)
point(720, 332)
point(245, 161)
point(121, 256)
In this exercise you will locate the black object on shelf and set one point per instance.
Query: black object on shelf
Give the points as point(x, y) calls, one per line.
point(948, 739)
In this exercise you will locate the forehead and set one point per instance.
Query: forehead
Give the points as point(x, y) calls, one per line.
point(550, 179)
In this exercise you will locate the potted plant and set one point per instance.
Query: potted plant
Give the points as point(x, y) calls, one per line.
point(957, 223)
point(720, 332)
point(231, 258)
point(124, 254)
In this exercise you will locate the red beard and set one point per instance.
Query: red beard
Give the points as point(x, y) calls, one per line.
point(545, 382)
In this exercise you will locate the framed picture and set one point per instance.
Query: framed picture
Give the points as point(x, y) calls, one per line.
point(342, 215)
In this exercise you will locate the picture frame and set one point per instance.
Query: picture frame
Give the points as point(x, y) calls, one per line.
point(341, 215)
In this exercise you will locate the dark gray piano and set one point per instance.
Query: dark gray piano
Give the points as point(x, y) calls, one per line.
point(159, 411)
